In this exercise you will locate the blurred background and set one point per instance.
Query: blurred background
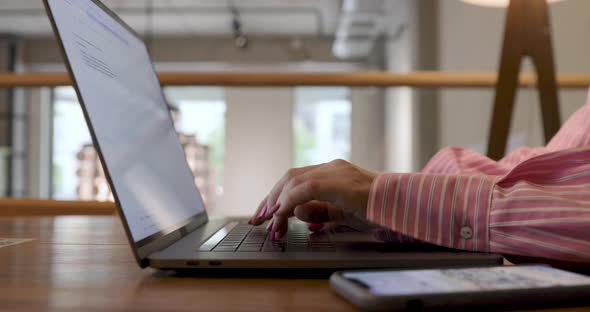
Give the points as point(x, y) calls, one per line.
point(239, 141)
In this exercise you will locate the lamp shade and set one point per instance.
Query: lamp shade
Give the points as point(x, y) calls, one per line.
point(497, 3)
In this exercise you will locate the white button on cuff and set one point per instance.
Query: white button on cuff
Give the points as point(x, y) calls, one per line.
point(466, 232)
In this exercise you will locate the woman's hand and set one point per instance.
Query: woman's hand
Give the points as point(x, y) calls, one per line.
point(333, 193)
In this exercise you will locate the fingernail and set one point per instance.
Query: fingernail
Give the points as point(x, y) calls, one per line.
point(275, 208)
point(269, 226)
point(262, 212)
point(270, 212)
point(273, 236)
point(314, 227)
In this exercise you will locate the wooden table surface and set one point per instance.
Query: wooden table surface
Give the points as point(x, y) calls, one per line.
point(83, 263)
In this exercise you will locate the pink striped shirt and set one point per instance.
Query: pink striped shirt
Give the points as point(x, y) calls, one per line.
point(535, 202)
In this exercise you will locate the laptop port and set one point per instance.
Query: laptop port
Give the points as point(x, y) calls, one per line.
point(192, 263)
point(214, 263)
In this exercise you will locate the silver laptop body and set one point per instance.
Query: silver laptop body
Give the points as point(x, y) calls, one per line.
point(159, 204)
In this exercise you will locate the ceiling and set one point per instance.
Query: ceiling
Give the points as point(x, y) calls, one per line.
point(191, 17)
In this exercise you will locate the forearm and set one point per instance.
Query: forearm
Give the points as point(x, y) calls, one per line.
point(446, 210)
point(540, 209)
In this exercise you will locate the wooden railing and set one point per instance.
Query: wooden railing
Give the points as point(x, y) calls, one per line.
point(28, 207)
point(352, 79)
point(36, 207)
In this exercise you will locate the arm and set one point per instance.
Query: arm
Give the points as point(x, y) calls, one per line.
point(531, 203)
point(541, 208)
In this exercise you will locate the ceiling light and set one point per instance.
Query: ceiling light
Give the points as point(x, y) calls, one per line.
point(240, 35)
point(496, 3)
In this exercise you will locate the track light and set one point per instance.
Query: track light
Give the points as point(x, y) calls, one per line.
point(240, 35)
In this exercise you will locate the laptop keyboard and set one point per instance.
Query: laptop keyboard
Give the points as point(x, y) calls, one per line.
point(246, 238)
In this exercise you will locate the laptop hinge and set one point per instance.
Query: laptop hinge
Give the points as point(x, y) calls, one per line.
point(169, 239)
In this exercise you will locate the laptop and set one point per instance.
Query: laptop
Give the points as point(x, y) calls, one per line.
point(160, 206)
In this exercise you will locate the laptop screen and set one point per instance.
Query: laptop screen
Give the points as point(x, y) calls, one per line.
point(130, 119)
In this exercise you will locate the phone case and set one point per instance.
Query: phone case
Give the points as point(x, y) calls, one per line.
point(360, 295)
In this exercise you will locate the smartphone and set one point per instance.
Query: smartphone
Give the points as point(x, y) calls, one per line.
point(501, 287)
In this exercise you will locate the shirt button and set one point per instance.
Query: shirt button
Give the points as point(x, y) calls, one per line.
point(466, 232)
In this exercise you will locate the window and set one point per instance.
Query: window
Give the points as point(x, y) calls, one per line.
point(321, 122)
point(200, 117)
point(199, 114)
point(4, 167)
point(321, 132)
point(70, 135)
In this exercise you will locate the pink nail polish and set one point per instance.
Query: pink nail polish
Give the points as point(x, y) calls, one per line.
point(273, 236)
point(276, 208)
point(262, 212)
point(270, 212)
point(270, 224)
point(314, 227)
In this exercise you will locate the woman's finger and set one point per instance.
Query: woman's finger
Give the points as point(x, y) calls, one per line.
point(256, 219)
point(329, 226)
point(274, 194)
point(317, 212)
point(310, 189)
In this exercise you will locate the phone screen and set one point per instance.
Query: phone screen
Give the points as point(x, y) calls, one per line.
point(407, 282)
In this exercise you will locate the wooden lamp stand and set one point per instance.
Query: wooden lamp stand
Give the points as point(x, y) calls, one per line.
point(526, 33)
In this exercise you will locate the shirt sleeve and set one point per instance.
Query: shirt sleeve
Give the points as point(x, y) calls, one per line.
point(446, 210)
point(535, 202)
point(540, 208)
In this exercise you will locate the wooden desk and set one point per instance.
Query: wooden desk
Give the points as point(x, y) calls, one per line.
point(84, 264)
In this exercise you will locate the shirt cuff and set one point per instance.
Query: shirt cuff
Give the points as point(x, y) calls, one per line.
point(446, 210)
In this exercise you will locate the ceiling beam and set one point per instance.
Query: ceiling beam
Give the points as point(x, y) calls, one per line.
point(195, 11)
